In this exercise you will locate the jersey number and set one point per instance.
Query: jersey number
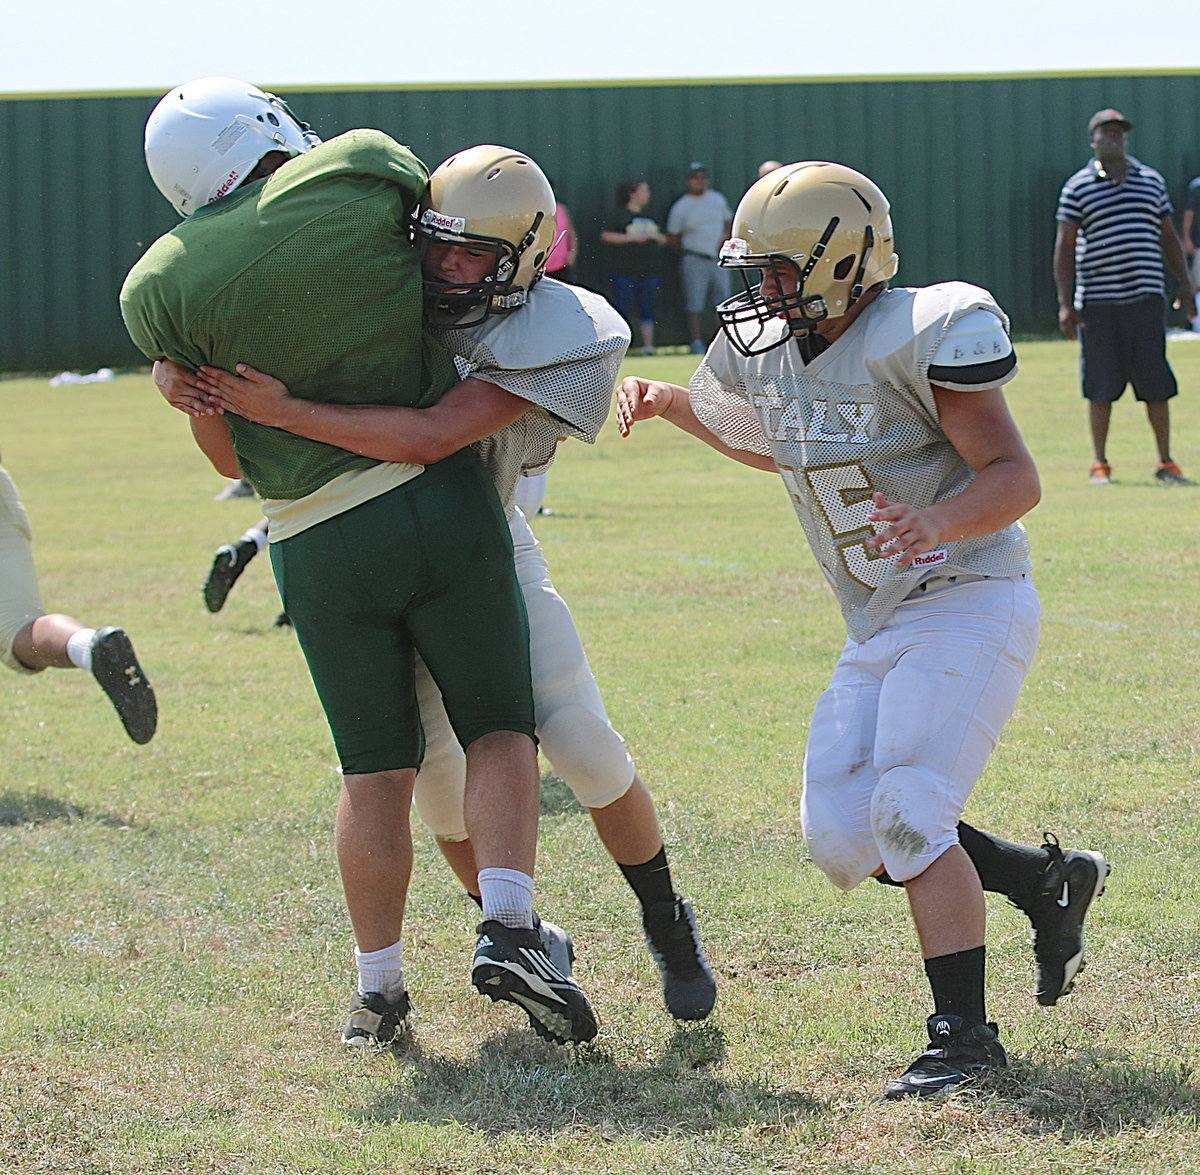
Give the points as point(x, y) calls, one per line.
point(842, 495)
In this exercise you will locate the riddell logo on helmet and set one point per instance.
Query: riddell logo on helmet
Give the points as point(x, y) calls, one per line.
point(431, 218)
point(227, 185)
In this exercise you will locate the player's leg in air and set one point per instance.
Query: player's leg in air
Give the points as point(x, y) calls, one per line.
point(1053, 886)
point(229, 561)
point(591, 758)
point(31, 640)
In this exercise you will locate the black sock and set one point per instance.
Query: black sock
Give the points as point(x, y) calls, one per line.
point(1004, 866)
point(651, 881)
point(957, 984)
point(476, 898)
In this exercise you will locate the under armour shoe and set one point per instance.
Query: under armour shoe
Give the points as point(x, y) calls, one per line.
point(1171, 474)
point(227, 566)
point(376, 1021)
point(1100, 474)
point(958, 1053)
point(512, 964)
point(115, 667)
point(689, 989)
point(556, 942)
point(1072, 880)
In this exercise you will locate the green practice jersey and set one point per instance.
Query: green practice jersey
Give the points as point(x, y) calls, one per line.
point(308, 275)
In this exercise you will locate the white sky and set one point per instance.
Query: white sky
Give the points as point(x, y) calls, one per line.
point(70, 45)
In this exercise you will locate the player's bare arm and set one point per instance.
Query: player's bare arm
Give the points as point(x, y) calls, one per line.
point(468, 412)
point(644, 399)
point(1006, 485)
point(212, 435)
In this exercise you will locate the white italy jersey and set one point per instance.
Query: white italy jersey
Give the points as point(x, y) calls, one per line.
point(561, 351)
point(861, 418)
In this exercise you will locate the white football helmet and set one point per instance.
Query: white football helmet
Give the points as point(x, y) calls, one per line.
point(487, 199)
point(205, 137)
point(822, 228)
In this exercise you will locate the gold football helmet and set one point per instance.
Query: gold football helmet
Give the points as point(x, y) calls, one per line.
point(824, 234)
point(487, 199)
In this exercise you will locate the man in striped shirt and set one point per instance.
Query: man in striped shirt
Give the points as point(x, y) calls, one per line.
point(1114, 234)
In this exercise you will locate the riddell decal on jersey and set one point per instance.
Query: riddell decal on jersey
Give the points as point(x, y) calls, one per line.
point(931, 559)
point(446, 224)
point(227, 185)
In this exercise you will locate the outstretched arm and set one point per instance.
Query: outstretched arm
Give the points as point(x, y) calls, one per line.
point(469, 411)
point(643, 399)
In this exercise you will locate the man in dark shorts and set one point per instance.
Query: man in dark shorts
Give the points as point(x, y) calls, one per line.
point(1114, 234)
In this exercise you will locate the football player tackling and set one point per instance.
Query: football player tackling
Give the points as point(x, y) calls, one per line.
point(539, 359)
point(276, 219)
point(882, 411)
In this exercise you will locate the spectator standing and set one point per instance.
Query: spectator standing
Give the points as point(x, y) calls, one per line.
point(633, 252)
point(697, 226)
point(1114, 234)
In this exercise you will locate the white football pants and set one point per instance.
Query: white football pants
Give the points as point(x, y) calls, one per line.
point(572, 725)
point(904, 730)
point(20, 599)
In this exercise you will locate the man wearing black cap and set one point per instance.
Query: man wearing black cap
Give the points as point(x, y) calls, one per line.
point(1114, 234)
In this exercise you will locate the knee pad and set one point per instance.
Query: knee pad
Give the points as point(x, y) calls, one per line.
point(914, 822)
point(439, 791)
point(587, 754)
point(846, 854)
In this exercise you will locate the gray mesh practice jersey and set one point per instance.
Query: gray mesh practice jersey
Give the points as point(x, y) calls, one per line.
point(561, 351)
point(861, 418)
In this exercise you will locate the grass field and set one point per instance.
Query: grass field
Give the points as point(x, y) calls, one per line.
point(174, 956)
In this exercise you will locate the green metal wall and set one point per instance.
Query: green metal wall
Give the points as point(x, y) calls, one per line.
point(972, 166)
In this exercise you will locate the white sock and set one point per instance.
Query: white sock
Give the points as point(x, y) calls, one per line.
point(255, 535)
point(79, 648)
point(507, 897)
point(381, 971)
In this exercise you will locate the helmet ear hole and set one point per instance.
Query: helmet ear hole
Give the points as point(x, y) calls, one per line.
point(206, 137)
point(842, 269)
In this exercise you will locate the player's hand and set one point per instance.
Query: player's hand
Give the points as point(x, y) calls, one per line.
point(903, 531)
point(182, 388)
point(249, 393)
point(641, 399)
